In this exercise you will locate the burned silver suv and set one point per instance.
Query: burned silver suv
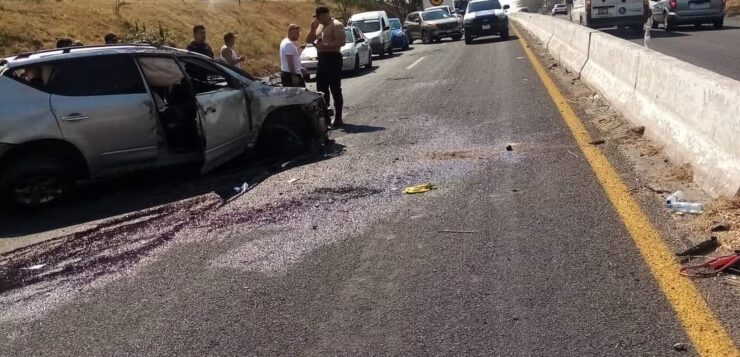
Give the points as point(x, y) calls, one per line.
point(94, 112)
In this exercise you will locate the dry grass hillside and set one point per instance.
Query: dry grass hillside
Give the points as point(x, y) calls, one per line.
point(733, 7)
point(260, 25)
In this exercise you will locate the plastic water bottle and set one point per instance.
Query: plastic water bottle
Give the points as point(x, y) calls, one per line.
point(677, 196)
point(687, 207)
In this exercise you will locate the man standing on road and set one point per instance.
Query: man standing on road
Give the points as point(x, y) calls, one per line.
point(329, 38)
point(199, 44)
point(291, 71)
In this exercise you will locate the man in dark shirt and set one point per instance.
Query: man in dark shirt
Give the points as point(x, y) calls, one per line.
point(199, 44)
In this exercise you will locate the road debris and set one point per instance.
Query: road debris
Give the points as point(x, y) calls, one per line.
point(456, 231)
point(293, 180)
point(638, 129)
point(677, 203)
point(509, 148)
point(241, 189)
point(597, 142)
point(702, 248)
point(720, 227)
point(657, 189)
point(681, 347)
point(34, 267)
point(711, 267)
point(419, 188)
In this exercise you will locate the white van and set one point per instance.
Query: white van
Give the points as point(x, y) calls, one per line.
point(610, 13)
point(376, 28)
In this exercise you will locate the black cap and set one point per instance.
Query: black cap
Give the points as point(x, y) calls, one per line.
point(229, 36)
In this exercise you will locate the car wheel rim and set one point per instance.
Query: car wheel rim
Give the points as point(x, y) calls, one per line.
point(38, 191)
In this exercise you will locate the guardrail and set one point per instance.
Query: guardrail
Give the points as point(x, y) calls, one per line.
point(692, 112)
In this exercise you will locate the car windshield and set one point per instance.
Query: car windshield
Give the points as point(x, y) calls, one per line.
point(367, 25)
point(434, 15)
point(444, 8)
point(483, 6)
point(395, 24)
point(559, 5)
point(348, 35)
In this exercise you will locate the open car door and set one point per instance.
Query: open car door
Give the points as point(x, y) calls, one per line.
point(222, 111)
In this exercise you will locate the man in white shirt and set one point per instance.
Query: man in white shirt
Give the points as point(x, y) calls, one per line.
point(291, 71)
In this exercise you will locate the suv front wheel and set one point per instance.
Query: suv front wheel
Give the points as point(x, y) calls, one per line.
point(33, 182)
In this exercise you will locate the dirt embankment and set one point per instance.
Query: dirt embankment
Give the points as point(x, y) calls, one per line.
point(733, 7)
point(30, 25)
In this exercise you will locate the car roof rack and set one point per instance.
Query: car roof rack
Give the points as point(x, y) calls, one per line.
point(75, 48)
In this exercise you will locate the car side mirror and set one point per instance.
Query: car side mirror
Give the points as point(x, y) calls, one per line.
point(386, 28)
point(404, 28)
point(506, 7)
point(360, 40)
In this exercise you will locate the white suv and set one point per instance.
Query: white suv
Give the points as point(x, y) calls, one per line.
point(610, 13)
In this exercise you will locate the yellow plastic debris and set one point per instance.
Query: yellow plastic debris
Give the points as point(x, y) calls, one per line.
point(418, 188)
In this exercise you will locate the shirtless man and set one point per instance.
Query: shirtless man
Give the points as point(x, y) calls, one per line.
point(328, 36)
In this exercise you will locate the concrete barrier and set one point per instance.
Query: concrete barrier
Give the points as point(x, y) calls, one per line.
point(569, 44)
point(693, 113)
point(612, 68)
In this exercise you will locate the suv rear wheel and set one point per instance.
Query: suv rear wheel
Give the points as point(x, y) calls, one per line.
point(33, 182)
point(718, 24)
point(505, 35)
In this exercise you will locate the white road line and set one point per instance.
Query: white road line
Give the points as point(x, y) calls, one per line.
point(415, 63)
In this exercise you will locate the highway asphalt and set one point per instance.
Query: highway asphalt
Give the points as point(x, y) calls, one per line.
point(515, 253)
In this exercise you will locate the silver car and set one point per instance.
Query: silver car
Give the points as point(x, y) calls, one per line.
point(671, 13)
point(99, 111)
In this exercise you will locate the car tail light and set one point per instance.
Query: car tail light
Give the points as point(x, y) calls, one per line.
point(672, 4)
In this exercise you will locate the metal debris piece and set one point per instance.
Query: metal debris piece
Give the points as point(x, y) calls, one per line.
point(720, 227)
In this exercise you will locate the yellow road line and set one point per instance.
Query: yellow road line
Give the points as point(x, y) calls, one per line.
point(707, 334)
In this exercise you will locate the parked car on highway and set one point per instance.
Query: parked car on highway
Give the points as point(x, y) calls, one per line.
point(356, 53)
point(92, 112)
point(560, 9)
point(672, 13)
point(610, 13)
point(449, 10)
point(486, 18)
point(434, 25)
point(376, 27)
point(398, 34)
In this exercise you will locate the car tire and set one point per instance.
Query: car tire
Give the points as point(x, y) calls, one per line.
point(357, 64)
point(505, 35)
point(390, 51)
point(284, 134)
point(456, 38)
point(369, 60)
point(426, 38)
point(33, 182)
point(406, 45)
point(468, 39)
point(655, 24)
point(718, 24)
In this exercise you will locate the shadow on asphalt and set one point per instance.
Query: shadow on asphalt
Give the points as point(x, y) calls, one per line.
point(359, 129)
point(106, 199)
point(486, 40)
point(352, 74)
